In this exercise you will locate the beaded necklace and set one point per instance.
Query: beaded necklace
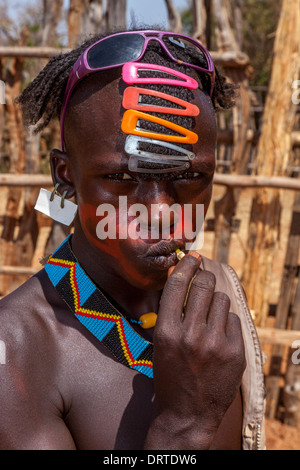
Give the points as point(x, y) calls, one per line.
point(96, 313)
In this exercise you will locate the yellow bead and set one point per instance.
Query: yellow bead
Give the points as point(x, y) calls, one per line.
point(148, 320)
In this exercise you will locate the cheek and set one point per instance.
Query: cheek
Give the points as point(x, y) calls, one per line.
point(194, 212)
point(89, 221)
point(201, 194)
point(121, 254)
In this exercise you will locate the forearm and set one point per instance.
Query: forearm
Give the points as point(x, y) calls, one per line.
point(177, 433)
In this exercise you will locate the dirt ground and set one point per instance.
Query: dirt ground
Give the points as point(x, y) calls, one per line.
point(278, 435)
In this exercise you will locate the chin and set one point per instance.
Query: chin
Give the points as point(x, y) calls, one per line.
point(151, 282)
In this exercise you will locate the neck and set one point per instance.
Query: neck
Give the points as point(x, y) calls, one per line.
point(133, 301)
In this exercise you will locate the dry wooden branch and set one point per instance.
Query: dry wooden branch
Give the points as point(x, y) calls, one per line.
point(245, 181)
point(7, 179)
point(225, 136)
point(241, 181)
point(278, 336)
point(18, 270)
point(34, 52)
point(228, 59)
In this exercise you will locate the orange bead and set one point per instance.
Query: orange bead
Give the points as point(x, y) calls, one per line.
point(148, 320)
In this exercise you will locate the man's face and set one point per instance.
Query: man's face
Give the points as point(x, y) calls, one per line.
point(99, 166)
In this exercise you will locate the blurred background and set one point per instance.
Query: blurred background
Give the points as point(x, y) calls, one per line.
point(253, 223)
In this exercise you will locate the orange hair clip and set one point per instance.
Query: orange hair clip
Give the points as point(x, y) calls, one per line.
point(130, 126)
point(131, 100)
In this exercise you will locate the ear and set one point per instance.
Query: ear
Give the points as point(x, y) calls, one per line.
point(61, 171)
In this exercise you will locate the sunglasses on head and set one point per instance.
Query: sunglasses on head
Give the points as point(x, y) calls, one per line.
point(117, 49)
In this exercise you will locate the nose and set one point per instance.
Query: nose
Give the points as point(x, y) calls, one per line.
point(163, 212)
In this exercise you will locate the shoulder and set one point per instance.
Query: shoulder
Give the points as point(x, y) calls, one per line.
point(28, 313)
point(31, 333)
point(31, 376)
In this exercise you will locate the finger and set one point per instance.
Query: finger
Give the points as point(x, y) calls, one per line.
point(170, 270)
point(218, 313)
point(174, 293)
point(192, 253)
point(200, 298)
point(233, 327)
point(235, 337)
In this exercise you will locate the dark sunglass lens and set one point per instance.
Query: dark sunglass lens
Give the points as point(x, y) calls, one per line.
point(115, 50)
point(185, 50)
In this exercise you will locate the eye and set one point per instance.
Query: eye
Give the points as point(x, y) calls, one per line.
point(188, 175)
point(119, 176)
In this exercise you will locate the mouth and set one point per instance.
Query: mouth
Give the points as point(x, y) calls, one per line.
point(162, 255)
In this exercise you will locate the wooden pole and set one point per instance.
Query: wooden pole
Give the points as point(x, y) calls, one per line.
point(116, 14)
point(225, 207)
point(291, 395)
point(174, 17)
point(283, 307)
point(85, 17)
point(199, 21)
point(291, 391)
point(273, 156)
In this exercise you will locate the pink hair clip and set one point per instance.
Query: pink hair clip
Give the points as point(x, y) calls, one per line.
point(130, 75)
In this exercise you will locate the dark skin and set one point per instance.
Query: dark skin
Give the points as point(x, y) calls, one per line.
point(60, 388)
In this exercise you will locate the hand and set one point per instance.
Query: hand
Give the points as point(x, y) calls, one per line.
point(199, 359)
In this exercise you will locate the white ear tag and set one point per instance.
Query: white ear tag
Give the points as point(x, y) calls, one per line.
point(65, 215)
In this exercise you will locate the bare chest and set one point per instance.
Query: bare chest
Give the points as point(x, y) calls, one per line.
point(108, 406)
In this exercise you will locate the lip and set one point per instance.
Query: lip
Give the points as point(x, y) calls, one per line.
point(163, 262)
point(163, 248)
point(162, 255)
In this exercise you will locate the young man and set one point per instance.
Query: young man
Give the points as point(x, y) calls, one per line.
point(81, 371)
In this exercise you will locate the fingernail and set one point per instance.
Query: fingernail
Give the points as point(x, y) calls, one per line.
point(170, 270)
point(195, 255)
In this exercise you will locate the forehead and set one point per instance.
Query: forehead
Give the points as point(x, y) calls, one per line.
point(94, 115)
